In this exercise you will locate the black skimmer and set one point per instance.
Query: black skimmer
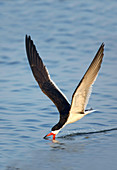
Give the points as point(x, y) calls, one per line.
point(68, 113)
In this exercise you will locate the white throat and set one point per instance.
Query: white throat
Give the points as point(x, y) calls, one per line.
point(57, 131)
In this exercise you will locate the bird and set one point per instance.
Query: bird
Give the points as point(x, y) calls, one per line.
point(69, 113)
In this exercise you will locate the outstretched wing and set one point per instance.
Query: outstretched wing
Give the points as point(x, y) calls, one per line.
point(82, 93)
point(42, 77)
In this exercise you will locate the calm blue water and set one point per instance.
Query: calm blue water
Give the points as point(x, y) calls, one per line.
point(67, 35)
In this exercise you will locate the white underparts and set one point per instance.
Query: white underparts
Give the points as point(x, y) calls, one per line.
point(73, 118)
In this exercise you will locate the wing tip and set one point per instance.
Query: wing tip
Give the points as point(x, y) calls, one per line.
point(28, 39)
point(103, 44)
point(100, 51)
point(27, 36)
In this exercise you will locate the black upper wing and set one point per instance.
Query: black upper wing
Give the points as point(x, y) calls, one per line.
point(43, 78)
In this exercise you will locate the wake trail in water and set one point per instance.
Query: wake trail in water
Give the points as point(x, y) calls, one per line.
point(88, 133)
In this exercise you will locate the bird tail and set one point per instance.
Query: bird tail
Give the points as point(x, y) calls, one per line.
point(89, 111)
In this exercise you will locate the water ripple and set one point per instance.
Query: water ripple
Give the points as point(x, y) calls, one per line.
point(67, 35)
point(88, 133)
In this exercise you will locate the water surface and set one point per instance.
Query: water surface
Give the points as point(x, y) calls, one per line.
point(67, 35)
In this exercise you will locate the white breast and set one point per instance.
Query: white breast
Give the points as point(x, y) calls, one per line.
point(74, 117)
